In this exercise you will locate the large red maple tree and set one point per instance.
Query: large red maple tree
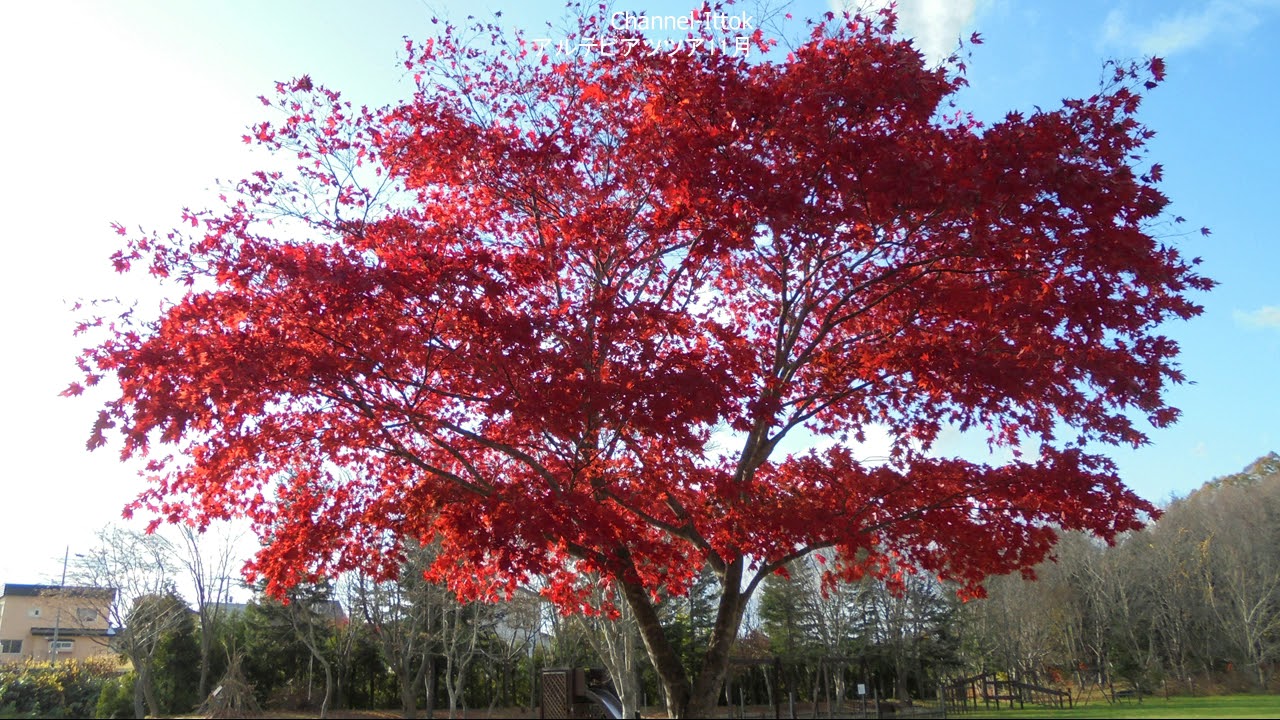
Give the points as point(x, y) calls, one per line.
point(558, 313)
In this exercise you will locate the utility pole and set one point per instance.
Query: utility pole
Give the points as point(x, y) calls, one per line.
point(57, 618)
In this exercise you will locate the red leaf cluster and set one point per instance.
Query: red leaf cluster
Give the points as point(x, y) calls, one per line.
point(560, 315)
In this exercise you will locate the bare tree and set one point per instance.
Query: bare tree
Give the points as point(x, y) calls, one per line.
point(1020, 630)
point(515, 635)
point(1182, 615)
point(461, 627)
point(1197, 589)
point(404, 617)
point(140, 568)
point(835, 619)
point(1131, 594)
point(345, 633)
point(1243, 572)
point(616, 640)
point(209, 571)
point(313, 614)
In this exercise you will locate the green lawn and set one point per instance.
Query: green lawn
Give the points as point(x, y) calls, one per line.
point(1228, 706)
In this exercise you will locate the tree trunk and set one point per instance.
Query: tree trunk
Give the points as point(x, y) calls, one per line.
point(900, 672)
point(494, 693)
point(697, 699)
point(840, 689)
point(409, 680)
point(666, 663)
point(817, 687)
point(408, 699)
point(430, 682)
point(139, 700)
point(455, 684)
point(328, 687)
point(318, 656)
point(206, 650)
point(715, 664)
point(148, 685)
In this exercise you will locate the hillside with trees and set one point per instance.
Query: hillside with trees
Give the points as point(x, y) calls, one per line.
point(1191, 603)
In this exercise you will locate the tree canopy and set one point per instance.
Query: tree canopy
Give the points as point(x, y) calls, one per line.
point(558, 313)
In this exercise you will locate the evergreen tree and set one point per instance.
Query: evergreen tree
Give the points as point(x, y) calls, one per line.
point(786, 612)
point(177, 659)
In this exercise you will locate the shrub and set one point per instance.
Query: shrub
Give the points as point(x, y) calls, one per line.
point(116, 698)
point(61, 689)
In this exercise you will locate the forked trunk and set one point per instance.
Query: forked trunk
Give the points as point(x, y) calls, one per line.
point(409, 681)
point(699, 698)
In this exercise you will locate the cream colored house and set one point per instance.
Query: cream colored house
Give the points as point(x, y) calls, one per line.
point(44, 622)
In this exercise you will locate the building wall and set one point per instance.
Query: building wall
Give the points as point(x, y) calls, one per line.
point(28, 613)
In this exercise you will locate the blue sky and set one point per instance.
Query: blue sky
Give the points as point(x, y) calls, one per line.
point(128, 110)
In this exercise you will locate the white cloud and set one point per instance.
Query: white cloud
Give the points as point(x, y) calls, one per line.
point(1187, 29)
point(936, 25)
point(1266, 316)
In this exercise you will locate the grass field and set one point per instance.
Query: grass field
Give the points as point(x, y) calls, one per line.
point(1227, 706)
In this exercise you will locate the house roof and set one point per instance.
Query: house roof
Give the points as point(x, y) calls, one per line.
point(21, 590)
point(74, 631)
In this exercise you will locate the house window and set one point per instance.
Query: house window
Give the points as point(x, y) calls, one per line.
point(10, 647)
point(33, 612)
point(86, 615)
point(61, 646)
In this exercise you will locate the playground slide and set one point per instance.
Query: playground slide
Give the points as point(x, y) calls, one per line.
point(605, 698)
